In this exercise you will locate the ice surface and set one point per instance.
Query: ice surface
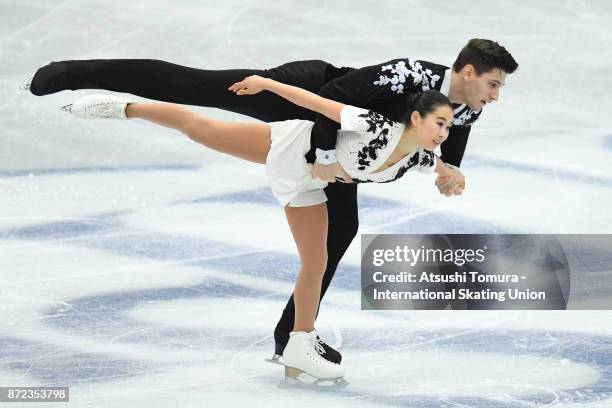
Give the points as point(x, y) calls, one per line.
point(142, 270)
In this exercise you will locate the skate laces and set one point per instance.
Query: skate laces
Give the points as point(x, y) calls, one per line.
point(317, 343)
point(104, 109)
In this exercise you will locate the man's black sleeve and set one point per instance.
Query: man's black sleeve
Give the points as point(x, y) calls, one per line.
point(355, 89)
point(453, 148)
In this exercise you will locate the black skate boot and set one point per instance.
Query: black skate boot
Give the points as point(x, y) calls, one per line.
point(49, 79)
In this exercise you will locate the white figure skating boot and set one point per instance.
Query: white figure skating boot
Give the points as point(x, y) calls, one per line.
point(303, 354)
point(98, 107)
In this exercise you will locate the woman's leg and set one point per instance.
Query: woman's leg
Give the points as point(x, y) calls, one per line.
point(309, 228)
point(304, 352)
point(342, 229)
point(249, 141)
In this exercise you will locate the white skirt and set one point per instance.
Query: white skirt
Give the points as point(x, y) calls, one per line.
point(289, 175)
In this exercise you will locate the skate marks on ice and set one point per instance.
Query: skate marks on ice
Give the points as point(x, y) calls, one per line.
point(98, 169)
point(414, 365)
point(506, 368)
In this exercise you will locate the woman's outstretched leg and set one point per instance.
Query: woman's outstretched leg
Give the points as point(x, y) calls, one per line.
point(248, 141)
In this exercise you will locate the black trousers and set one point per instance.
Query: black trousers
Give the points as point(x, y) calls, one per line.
point(169, 82)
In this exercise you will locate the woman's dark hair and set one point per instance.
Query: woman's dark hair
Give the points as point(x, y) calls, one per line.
point(424, 103)
point(485, 55)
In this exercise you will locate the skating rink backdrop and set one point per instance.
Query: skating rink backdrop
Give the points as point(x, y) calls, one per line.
point(141, 269)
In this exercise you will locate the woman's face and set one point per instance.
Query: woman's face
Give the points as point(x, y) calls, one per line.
point(432, 130)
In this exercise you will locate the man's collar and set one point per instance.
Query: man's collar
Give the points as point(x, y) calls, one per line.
point(446, 82)
point(445, 89)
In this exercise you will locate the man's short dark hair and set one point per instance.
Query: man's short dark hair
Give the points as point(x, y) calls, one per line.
point(485, 56)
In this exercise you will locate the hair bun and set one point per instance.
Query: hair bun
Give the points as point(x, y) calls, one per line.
point(424, 103)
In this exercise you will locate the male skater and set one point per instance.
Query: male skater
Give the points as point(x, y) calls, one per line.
point(475, 79)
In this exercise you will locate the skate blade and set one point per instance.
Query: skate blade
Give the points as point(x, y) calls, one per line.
point(66, 108)
point(25, 86)
point(276, 359)
point(294, 377)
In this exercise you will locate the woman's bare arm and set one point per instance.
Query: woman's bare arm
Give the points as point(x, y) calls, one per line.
point(301, 97)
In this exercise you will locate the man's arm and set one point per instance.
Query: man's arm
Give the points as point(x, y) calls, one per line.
point(352, 89)
point(357, 88)
point(452, 153)
point(453, 148)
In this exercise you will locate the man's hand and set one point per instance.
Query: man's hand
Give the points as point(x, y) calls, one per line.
point(452, 183)
point(250, 85)
point(330, 172)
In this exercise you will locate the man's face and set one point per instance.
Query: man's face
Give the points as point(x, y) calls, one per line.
point(484, 88)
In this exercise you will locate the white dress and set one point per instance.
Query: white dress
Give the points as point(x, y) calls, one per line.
point(365, 142)
point(289, 174)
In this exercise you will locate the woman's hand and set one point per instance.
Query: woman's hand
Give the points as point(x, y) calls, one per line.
point(330, 172)
point(452, 183)
point(450, 180)
point(250, 85)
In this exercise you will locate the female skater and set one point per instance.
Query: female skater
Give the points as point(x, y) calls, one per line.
point(370, 148)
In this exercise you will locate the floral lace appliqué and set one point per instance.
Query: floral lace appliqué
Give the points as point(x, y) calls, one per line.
point(427, 160)
point(466, 117)
point(396, 75)
point(379, 125)
point(419, 159)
